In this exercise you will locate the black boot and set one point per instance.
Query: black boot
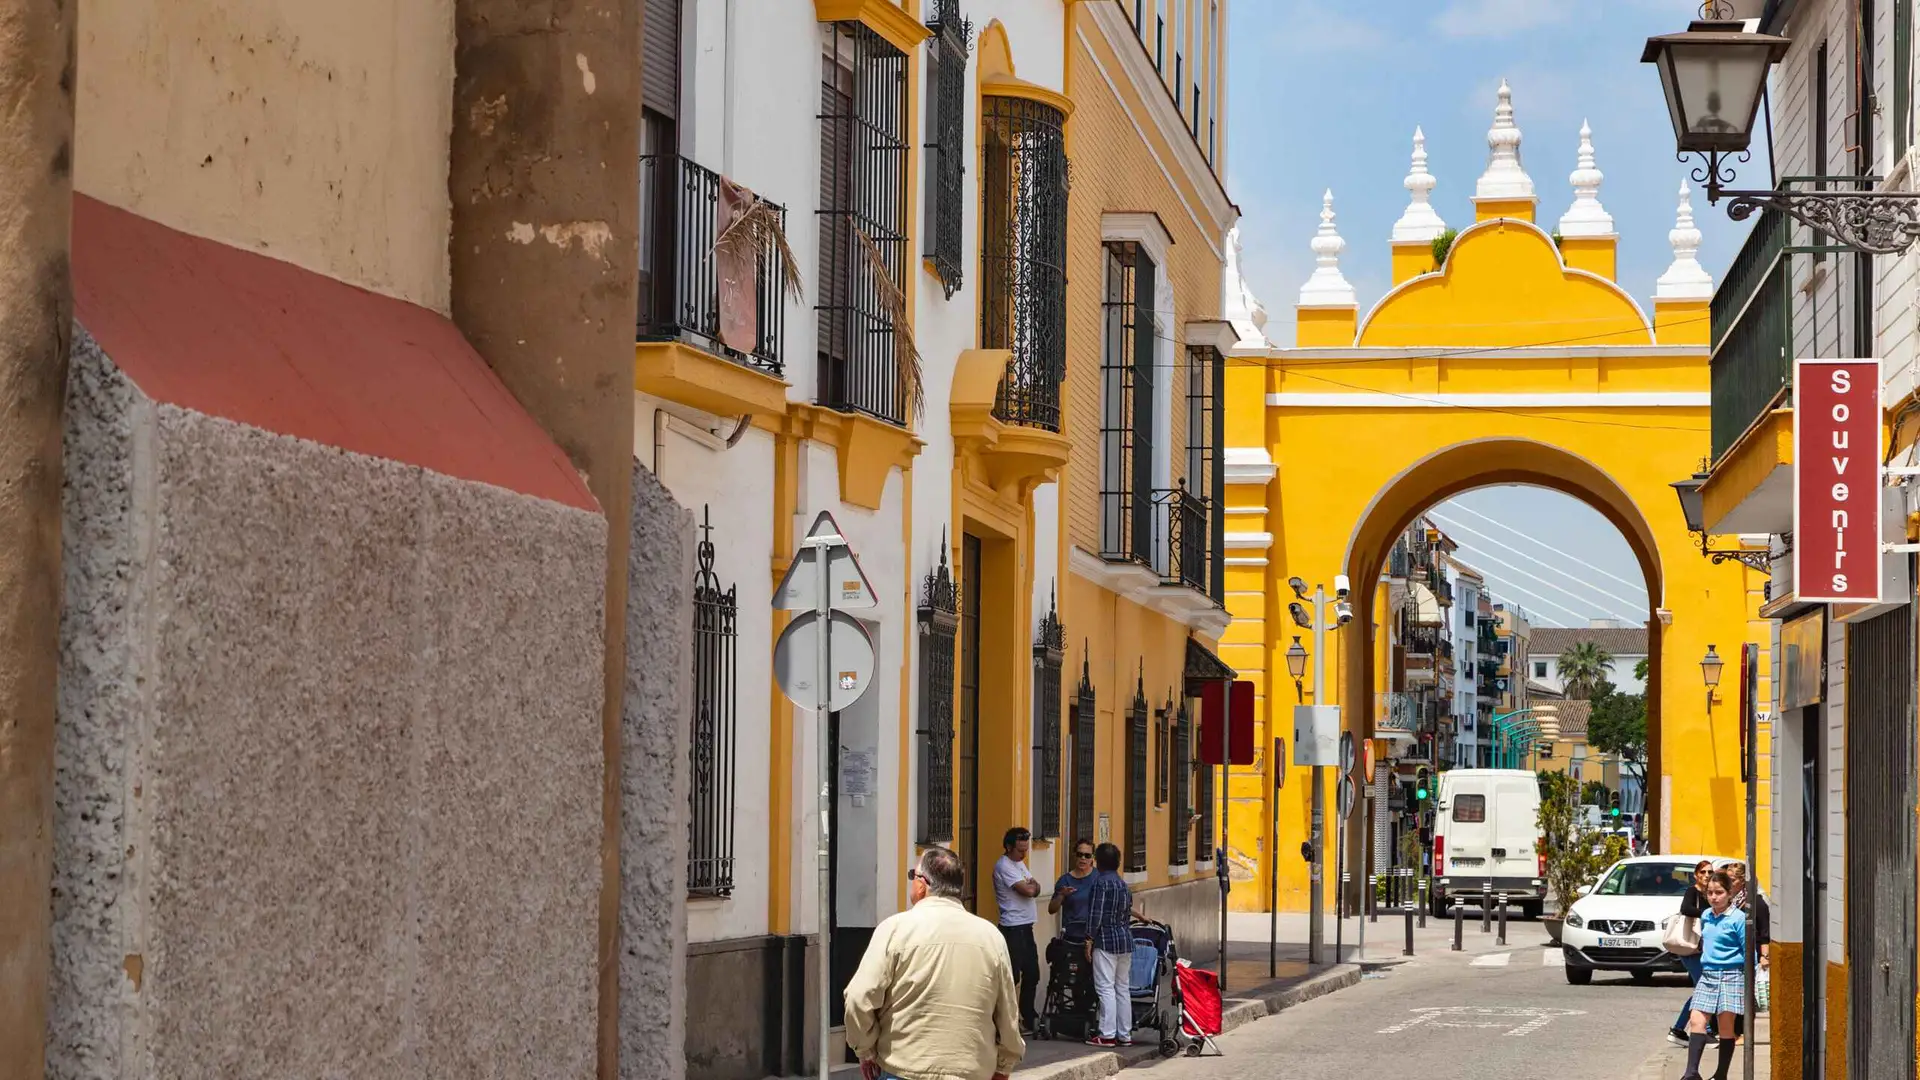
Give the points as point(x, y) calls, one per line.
point(1696, 1047)
point(1726, 1059)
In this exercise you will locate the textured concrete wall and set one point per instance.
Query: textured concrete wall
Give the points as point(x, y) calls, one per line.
point(329, 760)
point(654, 778)
point(1193, 910)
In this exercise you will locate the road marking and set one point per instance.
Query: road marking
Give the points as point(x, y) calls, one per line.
point(1553, 958)
point(1499, 959)
point(1520, 1022)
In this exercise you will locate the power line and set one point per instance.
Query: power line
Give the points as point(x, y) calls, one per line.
point(1551, 585)
point(1538, 562)
point(1529, 592)
point(1463, 508)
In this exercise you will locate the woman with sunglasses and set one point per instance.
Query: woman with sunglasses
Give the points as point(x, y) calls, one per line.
point(1072, 892)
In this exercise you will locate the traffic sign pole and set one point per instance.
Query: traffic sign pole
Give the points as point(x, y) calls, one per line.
point(823, 605)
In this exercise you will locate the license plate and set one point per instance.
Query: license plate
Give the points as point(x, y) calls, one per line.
point(1619, 943)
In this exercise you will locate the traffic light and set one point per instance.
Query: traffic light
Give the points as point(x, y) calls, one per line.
point(1422, 784)
point(1613, 805)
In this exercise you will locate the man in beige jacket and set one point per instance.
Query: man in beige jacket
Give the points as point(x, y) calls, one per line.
point(934, 996)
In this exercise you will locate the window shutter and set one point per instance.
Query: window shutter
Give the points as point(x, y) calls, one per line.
point(1143, 401)
point(660, 57)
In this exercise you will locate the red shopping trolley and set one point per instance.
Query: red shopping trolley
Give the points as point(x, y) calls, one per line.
point(1199, 1007)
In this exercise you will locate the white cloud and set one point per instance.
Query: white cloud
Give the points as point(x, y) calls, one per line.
point(1497, 18)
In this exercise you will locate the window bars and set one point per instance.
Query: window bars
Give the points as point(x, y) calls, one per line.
point(1023, 255)
point(680, 300)
point(865, 363)
point(715, 725)
point(1049, 655)
point(1137, 776)
point(939, 620)
point(946, 154)
point(1126, 420)
point(1203, 831)
point(1181, 814)
point(1163, 754)
point(1189, 538)
point(1206, 464)
point(1086, 726)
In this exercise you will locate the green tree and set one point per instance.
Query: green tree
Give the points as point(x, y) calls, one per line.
point(1617, 724)
point(1594, 793)
point(1576, 855)
point(1640, 671)
point(1583, 667)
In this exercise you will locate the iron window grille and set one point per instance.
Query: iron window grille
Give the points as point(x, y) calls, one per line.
point(1206, 465)
point(1049, 656)
point(716, 672)
point(947, 54)
point(1023, 254)
point(1137, 750)
point(939, 621)
point(865, 365)
point(1189, 538)
point(1126, 421)
point(1086, 726)
point(1203, 829)
point(1182, 813)
point(1163, 754)
point(680, 221)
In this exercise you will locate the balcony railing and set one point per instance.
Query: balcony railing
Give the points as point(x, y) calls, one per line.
point(1398, 712)
point(1189, 521)
point(681, 294)
point(1752, 316)
point(1421, 641)
point(1398, 560)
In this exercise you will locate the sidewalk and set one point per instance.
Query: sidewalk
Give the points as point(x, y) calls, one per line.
point(1250, 995)
point(1669, 1061)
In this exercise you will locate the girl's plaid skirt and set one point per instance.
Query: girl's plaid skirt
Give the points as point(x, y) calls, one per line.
point(1721, 990)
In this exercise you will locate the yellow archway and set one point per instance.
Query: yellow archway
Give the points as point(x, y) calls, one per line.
point(1516, 361)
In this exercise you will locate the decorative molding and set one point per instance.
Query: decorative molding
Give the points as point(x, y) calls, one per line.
point(883, 17)
point(1215, 332)
point(1245, 511)
point(1142, 227)
point(1246, 560)
point(1013, 86)
point(1376, 400)
point(1259, 541)
point(1421, 223)
point(677, 372)
point(1144, 586)
point(1522, 352)
point(1505, 179)
point(1586, 217)
point(1328, 287)
point(1249, 465)
point(1686, 279)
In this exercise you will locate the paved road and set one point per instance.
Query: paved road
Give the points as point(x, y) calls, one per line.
point(1483, 1015)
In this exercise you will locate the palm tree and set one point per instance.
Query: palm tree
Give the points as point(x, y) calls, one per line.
point(1583, 667)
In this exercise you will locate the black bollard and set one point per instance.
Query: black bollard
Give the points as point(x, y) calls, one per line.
point(1420, 898)
point(1503, 918)
point(1373, 899)
point(1409, 948)
point(1459, 923)
point(1486, 907)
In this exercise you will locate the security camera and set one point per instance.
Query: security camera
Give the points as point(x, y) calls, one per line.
point(1343, 611)
point(1341, 586)
point(1299, 587)
point(1299, 614)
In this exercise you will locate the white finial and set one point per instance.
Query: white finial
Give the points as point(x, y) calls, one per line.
point(1504, 178)
point(1327, 287)
point(1586, 217)
point(1421, 221)
point(1241, 308)
point(1686, 279)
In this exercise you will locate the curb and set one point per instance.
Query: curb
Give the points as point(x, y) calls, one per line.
point(1238, 1011)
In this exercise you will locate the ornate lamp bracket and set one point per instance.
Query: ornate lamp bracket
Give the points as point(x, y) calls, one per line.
point(1876, 222)
point(1761, 561)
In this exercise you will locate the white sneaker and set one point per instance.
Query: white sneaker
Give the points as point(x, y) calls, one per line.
point(1675, 1039)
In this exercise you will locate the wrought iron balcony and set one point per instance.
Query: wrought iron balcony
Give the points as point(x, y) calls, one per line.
point(681, 273)
point(1398, 560)
point(1398, 712)
point(1752, 315)
point(1189, 529)
point(1023, 254)
point(1421, 641)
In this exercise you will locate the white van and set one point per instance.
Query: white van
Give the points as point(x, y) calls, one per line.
point(1486, 835)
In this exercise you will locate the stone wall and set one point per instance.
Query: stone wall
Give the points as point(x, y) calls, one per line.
point(329, 776)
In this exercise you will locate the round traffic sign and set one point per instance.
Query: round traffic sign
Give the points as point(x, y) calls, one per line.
point(1279, 763)
point(796, 660)
point(1366, 762)
point(1345, 802)
point(1346, 751)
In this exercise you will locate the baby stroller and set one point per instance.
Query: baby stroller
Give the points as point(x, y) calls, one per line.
point(1156, 1001)
point(1198, 992)
point(1072, 1008)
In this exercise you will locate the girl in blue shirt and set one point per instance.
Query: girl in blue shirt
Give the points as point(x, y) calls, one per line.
point(1722, 992)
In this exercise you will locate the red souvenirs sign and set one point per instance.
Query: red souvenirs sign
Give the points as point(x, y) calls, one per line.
point(1837, 454)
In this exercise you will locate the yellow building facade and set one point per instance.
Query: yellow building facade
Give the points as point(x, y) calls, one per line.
point(1505, 353)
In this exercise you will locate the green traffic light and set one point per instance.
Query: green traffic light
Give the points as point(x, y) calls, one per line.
point(1615, 811)
point(1421, 793)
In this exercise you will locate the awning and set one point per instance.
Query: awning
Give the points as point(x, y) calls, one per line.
point(1203, 667)
point(1426, 606)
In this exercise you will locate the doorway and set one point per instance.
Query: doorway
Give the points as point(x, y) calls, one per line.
point(967, 828)
point(1813, 813)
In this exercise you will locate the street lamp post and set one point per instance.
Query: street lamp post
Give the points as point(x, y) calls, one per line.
point(1317, 622)
point(1715, 75)
point(1710, 666)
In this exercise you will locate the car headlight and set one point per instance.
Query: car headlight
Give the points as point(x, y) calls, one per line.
point(1574, 920)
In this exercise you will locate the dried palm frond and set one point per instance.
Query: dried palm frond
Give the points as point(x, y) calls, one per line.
point(906, 353)
point(757, 233)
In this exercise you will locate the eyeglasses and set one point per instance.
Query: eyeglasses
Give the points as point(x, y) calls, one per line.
point(1083, 854)
point(912, 873)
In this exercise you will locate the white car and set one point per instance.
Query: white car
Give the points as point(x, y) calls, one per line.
point(1619, 923)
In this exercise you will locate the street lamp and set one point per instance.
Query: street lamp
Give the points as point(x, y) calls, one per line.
point(1714, 75)
point(1297, 666)
point(1693, 508)
point(1710, 666)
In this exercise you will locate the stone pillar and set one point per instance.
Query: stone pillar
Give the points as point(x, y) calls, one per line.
point(36, 321)
point(544, 181)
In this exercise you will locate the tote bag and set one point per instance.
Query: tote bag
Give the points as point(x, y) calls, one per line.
point(1682, 937)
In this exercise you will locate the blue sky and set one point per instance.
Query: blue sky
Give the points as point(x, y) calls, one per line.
point(1326, 94)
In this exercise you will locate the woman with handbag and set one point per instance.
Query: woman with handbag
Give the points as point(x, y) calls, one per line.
point(1683, 941)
